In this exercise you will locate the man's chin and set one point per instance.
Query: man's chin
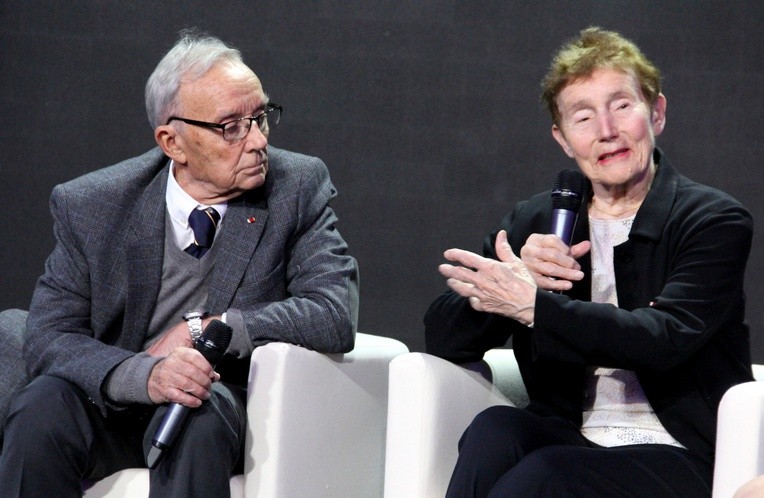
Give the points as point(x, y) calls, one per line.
point(256, 178)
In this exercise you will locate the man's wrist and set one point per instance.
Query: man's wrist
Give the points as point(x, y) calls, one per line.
point(194, 321)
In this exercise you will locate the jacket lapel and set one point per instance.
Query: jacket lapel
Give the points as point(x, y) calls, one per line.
point(241, 231)
point(145, 253)
point(655, 211)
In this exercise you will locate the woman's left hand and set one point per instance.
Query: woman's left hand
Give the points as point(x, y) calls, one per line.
point(551, 263)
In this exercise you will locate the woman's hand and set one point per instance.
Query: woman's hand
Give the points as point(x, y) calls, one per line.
point(551, 263)
point(504, 287)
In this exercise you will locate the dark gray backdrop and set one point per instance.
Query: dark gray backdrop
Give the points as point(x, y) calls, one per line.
point(426, 113)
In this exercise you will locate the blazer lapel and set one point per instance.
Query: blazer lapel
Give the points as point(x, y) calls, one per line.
point(241, 231)
point(145, 253)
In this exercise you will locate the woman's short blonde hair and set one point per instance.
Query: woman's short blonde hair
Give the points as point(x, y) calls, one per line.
point(596, 48)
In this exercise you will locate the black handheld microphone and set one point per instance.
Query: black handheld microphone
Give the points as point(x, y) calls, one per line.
point(566, 200)
point(212, 344)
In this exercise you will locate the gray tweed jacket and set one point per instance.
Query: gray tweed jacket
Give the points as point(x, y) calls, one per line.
point(281, 261)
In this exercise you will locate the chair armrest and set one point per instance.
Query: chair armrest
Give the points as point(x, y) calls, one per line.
point(430, 404)
point(317, 422)
point(739, 438)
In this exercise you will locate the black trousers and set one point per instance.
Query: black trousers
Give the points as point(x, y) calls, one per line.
point(56, 440)
point(511, 452)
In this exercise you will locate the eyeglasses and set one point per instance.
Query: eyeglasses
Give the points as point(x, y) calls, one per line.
point(237, 129)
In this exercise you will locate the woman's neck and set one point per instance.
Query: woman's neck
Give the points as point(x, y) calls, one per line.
point(602, 210)
point(619, 203)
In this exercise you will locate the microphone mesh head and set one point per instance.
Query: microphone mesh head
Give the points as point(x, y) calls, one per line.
point(568, 189)
point(214, 341)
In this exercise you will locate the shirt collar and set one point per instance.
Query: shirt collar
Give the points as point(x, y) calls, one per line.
point(179, 207)
point(180, 204)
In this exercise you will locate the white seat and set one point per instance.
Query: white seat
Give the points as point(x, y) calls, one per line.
point(432, 401)
point(316, 424)
point(135, 482)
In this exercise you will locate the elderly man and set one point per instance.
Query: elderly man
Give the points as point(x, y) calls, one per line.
point(212, 224)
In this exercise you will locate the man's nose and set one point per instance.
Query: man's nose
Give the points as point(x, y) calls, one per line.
point(256, 139)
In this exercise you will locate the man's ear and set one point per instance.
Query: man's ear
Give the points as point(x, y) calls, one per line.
point(560, 137)
point(170, 142)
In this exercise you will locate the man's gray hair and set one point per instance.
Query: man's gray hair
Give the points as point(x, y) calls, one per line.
point(191, 57)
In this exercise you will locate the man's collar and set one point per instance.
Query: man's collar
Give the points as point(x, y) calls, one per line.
point(180, 203)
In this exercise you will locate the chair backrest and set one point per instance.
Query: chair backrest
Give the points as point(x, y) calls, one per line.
point(758, 372)
point(506, 375)
point(12, 331)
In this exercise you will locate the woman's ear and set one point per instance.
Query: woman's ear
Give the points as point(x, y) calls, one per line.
point(560, 137)
point(658, 116)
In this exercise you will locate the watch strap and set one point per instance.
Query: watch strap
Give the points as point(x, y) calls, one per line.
point(195, 328)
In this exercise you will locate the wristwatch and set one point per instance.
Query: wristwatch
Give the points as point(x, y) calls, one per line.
point(194, 321)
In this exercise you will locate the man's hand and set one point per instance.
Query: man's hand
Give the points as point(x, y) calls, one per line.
point(504, 287)
point(177, 336)
point(551, 263)
point(184, 377)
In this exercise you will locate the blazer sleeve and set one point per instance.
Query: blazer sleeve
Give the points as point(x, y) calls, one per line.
point(319, 309)
point(60, 340)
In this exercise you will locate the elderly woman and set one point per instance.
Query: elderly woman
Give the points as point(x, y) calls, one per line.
point(628, 337)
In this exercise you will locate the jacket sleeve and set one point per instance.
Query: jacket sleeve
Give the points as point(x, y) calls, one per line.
point(319, 307)
point(60, 340)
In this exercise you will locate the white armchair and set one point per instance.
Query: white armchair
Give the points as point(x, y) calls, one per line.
point(432, 401)
point(317, 424)
point(740, 436)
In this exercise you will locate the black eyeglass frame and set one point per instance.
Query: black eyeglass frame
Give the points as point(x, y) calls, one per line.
point(260, 118)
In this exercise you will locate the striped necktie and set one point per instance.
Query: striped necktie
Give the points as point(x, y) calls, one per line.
point(203, 222)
